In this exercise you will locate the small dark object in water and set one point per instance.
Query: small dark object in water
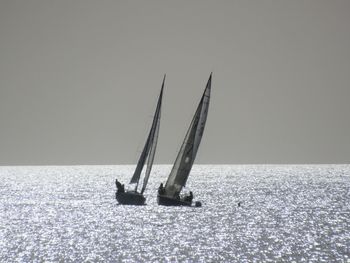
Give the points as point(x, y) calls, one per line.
point(239, 204)
point(198, 204)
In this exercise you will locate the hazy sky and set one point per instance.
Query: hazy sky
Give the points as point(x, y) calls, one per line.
point(79, 80)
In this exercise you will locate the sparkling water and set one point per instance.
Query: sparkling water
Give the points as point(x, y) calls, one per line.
point(249, 213)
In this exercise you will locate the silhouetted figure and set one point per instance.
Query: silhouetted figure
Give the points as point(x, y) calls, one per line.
point(161, 190)
point(239, 204)
point(189, 197)
point(120, 187)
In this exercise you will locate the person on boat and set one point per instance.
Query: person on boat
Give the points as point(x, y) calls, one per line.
point(189, 197)
point(161, 190)
point(120, 187)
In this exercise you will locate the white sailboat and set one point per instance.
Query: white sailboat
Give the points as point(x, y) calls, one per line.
point(134, 197)
point(169, 195)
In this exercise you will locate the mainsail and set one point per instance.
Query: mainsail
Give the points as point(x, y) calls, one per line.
point(150, 147)
point(187, 154)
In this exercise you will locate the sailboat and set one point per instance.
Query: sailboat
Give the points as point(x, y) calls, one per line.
point(134, 197)
point(169, 195)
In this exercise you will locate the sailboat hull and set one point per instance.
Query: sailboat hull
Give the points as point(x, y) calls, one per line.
point(168, 201)
point(130, 198)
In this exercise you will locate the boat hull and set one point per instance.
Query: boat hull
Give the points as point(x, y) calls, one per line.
point(130, 198)
point(168, 201)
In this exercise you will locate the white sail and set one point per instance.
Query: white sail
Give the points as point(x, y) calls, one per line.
point(150, 146)
point(187, 154)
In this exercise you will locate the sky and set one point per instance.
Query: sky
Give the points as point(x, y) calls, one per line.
point(79, 80)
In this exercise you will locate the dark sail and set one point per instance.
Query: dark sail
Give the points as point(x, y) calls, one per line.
point(153, 142)
point(150, 146)
point(187, 154)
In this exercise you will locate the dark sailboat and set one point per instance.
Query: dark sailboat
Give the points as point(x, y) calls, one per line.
point(134, 197)
point(169, 195)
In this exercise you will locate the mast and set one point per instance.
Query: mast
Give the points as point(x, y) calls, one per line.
point(188, 151)
point(151, 143)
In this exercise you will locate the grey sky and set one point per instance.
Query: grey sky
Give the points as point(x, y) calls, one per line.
point(79, 80)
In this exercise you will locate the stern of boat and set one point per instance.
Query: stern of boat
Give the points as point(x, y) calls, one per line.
point(130, 198)
point(169, 201)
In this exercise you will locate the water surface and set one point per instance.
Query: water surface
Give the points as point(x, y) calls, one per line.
point(69, 214)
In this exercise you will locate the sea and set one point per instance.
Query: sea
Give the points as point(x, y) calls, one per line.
point(249, 213)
